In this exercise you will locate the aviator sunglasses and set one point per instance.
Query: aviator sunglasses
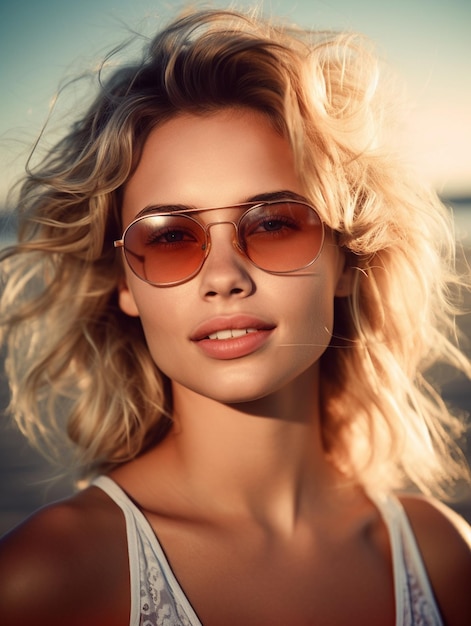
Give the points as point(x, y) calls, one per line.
point(168, 248)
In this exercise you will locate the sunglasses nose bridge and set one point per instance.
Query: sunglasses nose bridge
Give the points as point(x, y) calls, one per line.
point(207, 229)
point(238, 245)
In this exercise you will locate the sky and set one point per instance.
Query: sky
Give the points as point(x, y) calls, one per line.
point(428, 42)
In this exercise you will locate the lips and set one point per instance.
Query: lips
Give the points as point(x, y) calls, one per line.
point(231, 337)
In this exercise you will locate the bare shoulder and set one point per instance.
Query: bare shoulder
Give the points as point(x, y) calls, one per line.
point(444, 539)
point(67, 564)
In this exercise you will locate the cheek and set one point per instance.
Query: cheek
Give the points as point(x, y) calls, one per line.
point(308, 322)
point(161, 333)
point(320, 321)
point(315, 305)
point(331, 281)
point(137, 299)
point(321, 316)
point(158, 320)
point(161, 312)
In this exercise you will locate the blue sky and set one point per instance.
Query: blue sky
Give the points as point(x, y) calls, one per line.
point(427, 41)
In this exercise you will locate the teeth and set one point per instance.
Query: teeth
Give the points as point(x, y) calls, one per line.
point(240, 332)
point(231, 333)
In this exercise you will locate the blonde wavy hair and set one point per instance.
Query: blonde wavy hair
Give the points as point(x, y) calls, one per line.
point(77, 364)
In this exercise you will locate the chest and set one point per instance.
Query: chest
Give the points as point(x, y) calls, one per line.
point(248, 579)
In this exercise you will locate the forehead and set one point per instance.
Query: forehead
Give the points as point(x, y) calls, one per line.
point(213, 160)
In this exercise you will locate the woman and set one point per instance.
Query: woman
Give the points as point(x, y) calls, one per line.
point(212, 294)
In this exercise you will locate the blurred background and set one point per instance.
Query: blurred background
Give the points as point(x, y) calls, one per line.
point(45, 44)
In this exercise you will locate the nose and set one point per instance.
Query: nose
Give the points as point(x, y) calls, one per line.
point(226, 271)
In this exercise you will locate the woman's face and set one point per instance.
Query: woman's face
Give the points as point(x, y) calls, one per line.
point(220, 160)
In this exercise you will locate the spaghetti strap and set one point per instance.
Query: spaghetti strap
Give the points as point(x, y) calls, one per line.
point(415, 601)
point(156, 595)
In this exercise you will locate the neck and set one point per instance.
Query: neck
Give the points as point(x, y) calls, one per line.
point(261, 458)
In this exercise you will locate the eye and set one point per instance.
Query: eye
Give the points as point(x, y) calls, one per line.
point(169, 236)
point(274, 224)
point(166, 231)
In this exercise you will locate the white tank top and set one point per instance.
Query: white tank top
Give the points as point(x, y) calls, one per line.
point(158, 600)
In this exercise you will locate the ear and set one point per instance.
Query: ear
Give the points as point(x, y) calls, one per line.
point(344, 285)
point(126, 300)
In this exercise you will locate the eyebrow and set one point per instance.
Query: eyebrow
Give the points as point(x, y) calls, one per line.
point(269, 196)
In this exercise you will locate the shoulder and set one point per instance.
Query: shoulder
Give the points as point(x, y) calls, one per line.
point(67, 564)
point(444, 540)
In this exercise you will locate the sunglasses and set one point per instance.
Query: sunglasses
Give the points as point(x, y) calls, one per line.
point(279, 237)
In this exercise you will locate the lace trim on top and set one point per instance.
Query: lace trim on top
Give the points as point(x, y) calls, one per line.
point(415, 600)
point(157, 598)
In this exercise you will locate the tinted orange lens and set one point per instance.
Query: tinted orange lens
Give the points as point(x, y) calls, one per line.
point(164, 249)
point(281, 237)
